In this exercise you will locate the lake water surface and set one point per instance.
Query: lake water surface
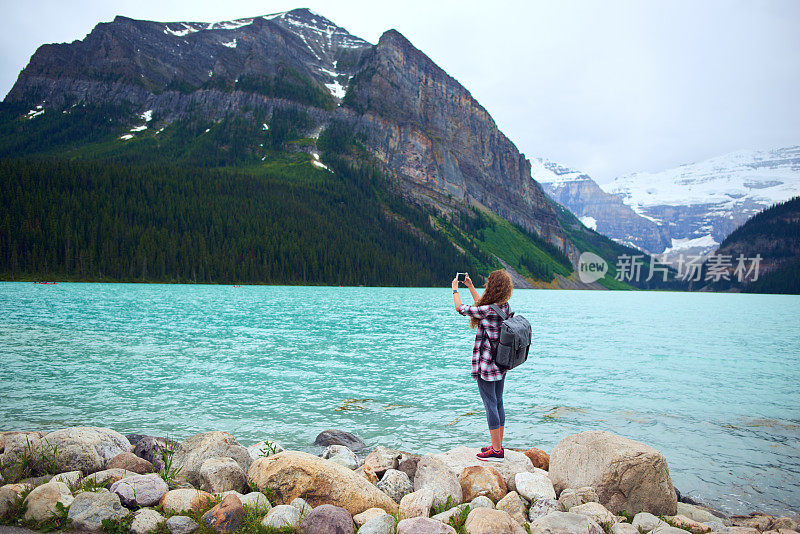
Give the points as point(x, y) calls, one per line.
point(710, 380)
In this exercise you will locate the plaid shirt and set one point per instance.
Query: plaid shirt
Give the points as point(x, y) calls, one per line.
point(488, 332)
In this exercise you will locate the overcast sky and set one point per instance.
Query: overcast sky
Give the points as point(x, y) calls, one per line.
point(608, 87)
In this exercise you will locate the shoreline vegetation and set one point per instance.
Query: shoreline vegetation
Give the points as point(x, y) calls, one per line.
point(94, 479)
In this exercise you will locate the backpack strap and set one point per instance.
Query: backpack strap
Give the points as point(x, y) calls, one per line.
point(500, 312)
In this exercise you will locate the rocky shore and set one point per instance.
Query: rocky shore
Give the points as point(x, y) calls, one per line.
point(93, 479)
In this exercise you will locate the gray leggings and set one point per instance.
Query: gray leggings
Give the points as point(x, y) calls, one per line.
point(492, 395)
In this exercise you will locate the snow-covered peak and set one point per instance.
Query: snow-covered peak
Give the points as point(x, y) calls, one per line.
point(761, 176)
point(304, 20)
point(549, 172)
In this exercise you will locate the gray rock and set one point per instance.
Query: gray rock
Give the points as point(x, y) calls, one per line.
point(70, 477)
point(565, 523)
point(146, 520)
point(218, 475)
point(695, 512)
point(339, 437)
point(380, 524)
point(281, 516)
point(395, 484)
point(541, 507)
point(85, 448)
point(366, 515)
point(180, 524)
point(481, 501)
point(327, 519)
point(434, 474)
point(624, 528)
point(133, 439)
point(152, 448)
point(534, 485)
point(42, 502)
point(574, 497)
point(90, 508)
point(195, 450)
point(423, 525)
point(662, 529)
point(140, 490)
point(256, 500)
point(108, 476)
point(595, 511)
point(301, 505)
point(408, 465)
point(645, 522)
point(382, 458)
point(341, 455)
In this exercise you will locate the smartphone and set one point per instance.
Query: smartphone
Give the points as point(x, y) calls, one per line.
point(461, 276)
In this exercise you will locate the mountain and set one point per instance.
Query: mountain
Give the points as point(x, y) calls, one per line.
point(687, 210)
point(302, 109)
point(772, 235)
point(597, 209)
point(699, 204)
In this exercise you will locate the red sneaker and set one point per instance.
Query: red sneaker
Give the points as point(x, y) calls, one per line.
point(491, 455)
point(484, 449)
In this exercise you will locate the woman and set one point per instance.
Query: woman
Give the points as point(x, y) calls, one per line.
point(490, 378)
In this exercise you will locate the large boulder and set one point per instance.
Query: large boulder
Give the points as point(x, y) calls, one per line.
point(565, 523)
point(488, 521)
point(395, 484)
point(184, 500)
point(627, 475)
point(42, 503)
point(292, 474)
point(84, 448)
point(460, 457)
point(434, 474)
point(218, 475)
point(140, 490)
point(90, 508)
point(225, 517)
point(339, 437)
point(327, 519)
point(195, 450)
point(480, 480)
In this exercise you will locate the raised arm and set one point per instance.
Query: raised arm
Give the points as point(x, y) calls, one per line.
point(471, 287)
point(456, 297)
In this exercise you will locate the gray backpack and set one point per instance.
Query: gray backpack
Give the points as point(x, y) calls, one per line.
point(512, 348)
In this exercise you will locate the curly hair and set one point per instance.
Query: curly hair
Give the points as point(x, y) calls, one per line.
point(498, 291)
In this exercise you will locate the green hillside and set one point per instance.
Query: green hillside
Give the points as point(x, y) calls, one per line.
point(237, 200)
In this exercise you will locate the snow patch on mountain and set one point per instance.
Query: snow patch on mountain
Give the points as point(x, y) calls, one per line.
point(706, 242)
point(589, 222)
point(549, 172)
point(763, 177)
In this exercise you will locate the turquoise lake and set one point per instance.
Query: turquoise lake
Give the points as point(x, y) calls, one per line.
point(710, 380)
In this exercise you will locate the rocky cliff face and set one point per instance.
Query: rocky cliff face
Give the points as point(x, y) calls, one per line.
point(177, 68)
point(597, 209)
point(441, 142)
point(420, 123)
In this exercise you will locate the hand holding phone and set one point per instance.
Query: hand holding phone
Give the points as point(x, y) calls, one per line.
point(461, 276)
